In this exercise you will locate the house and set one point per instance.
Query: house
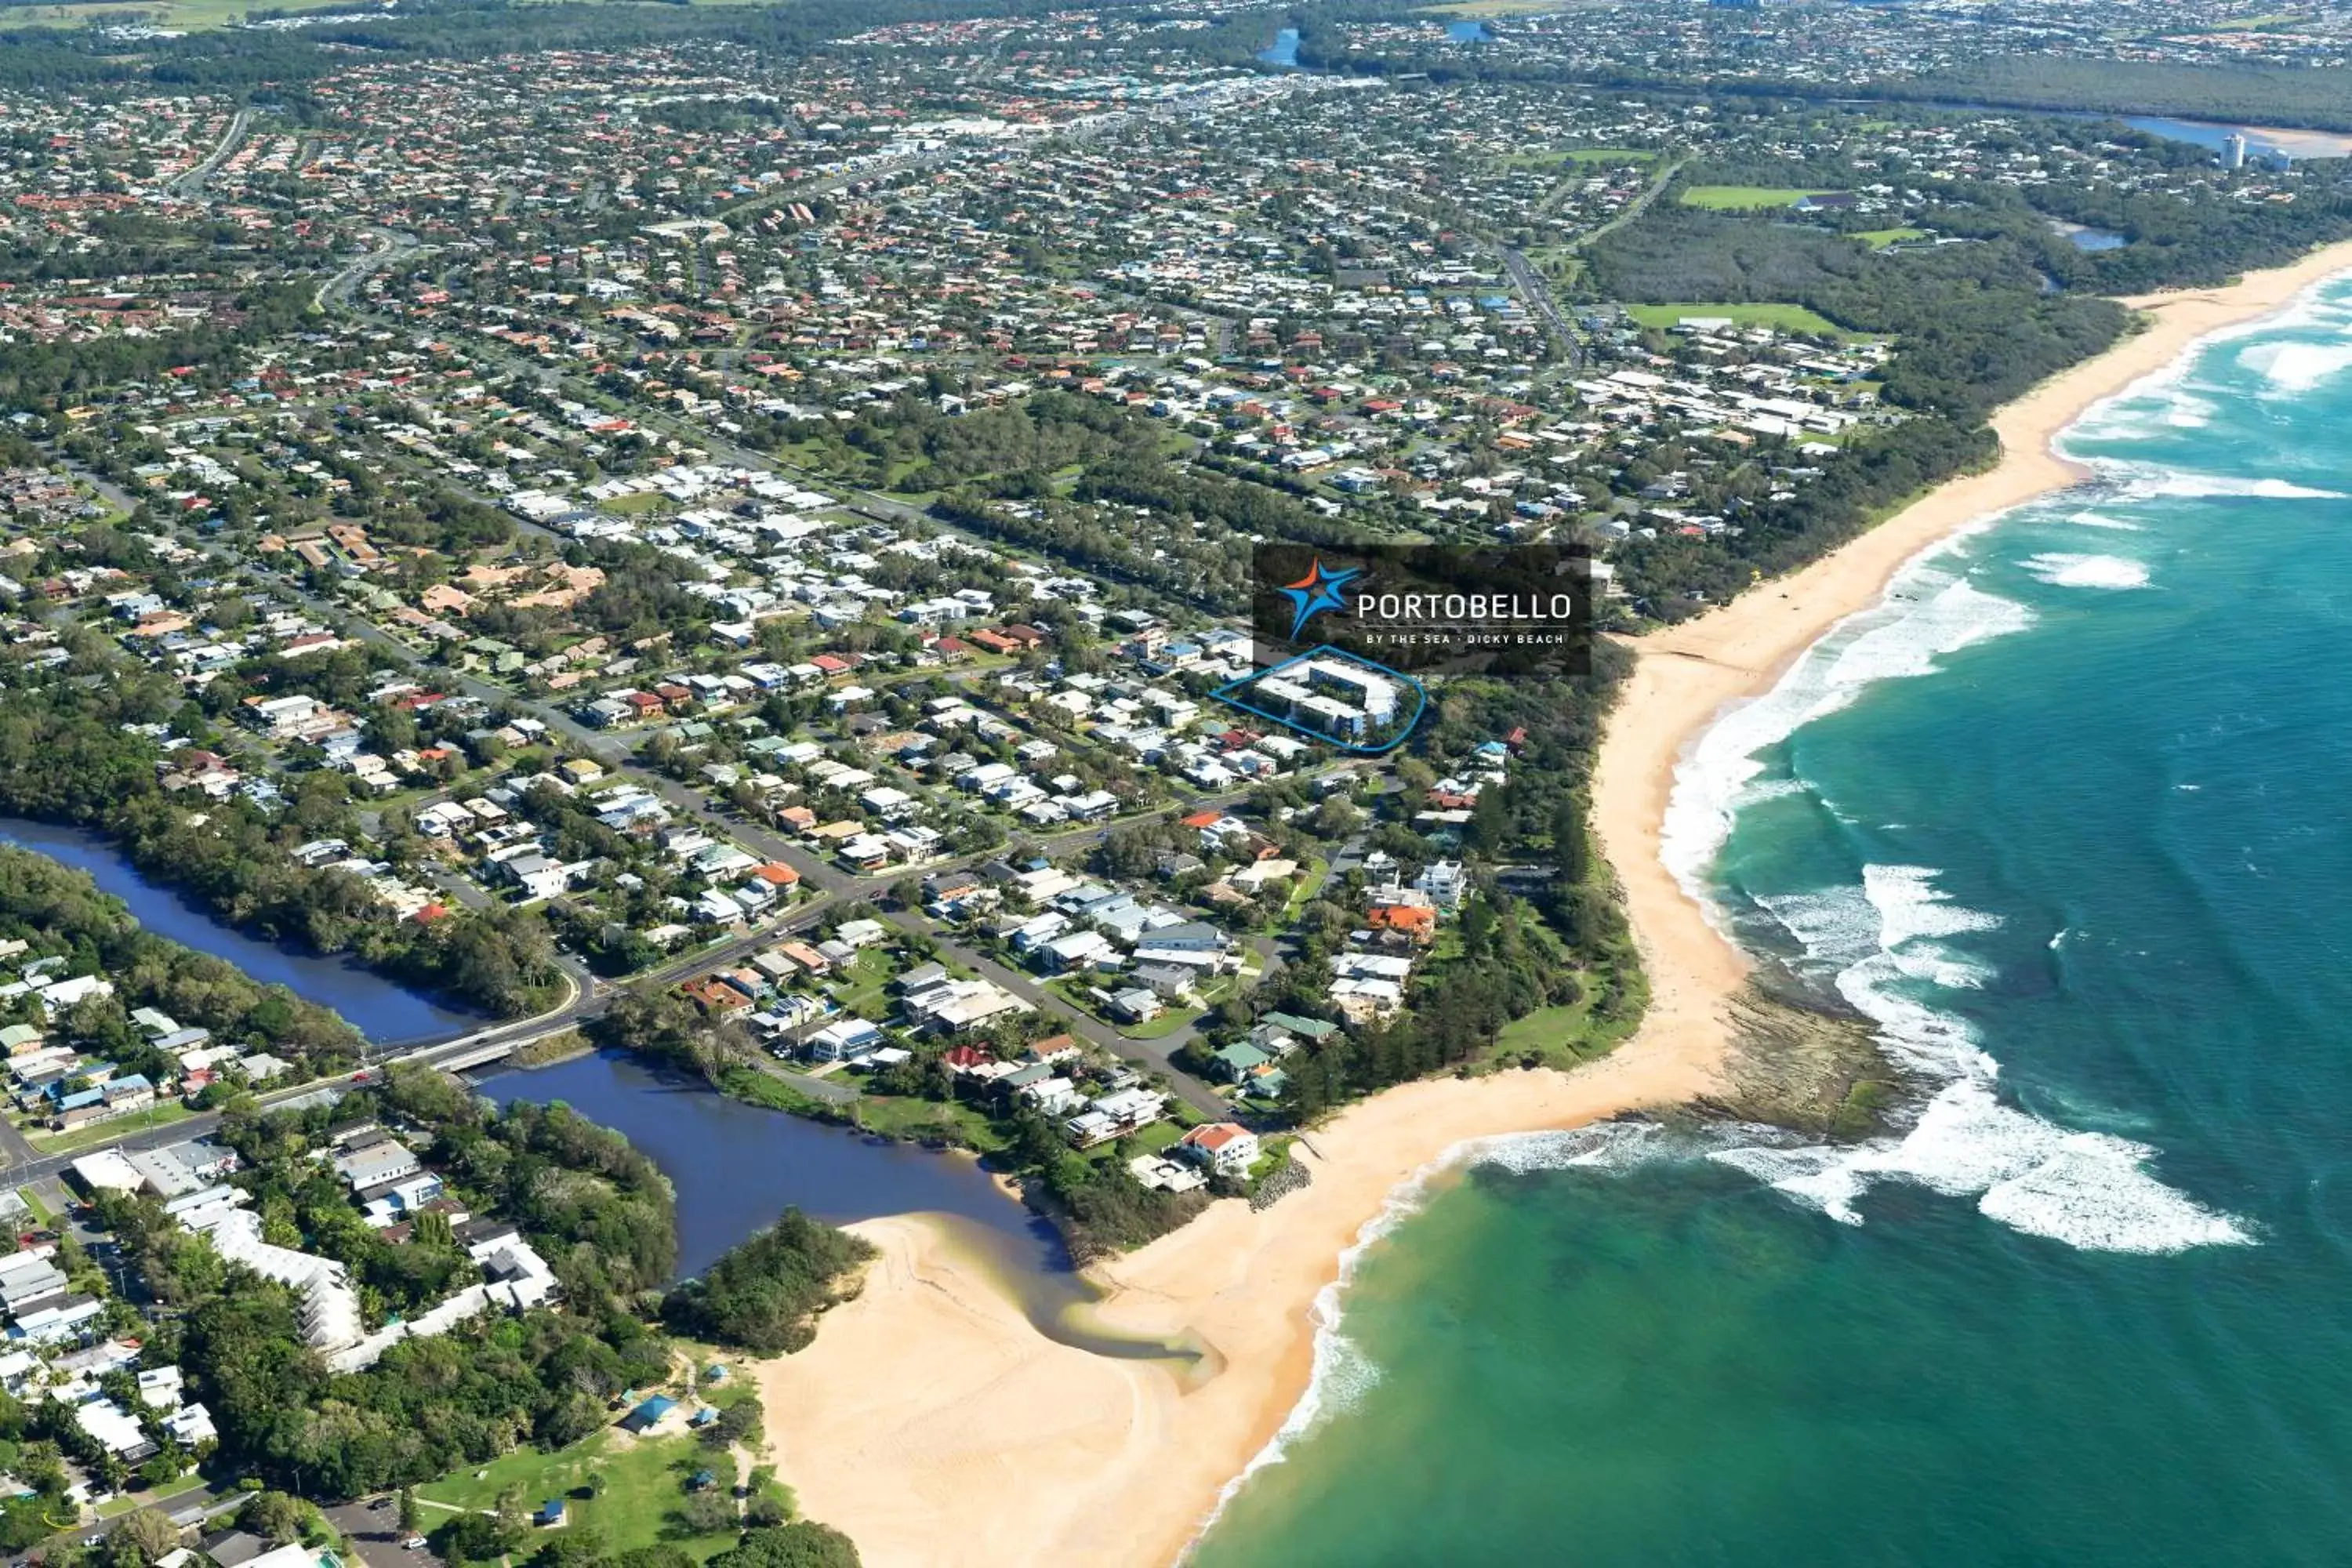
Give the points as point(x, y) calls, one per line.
point(1225, 1147)
point(1154, 1172)
point(1171, 981)
point(376, 1164)
point(951, 1006)
point(845, 1041)
point(538, 876)
point(860, 933)
point(56, 1318)
point(1445, 882)
point(1135, 1005)
point(1315, 1029)
point(1237, 1061)
point(1415, 924)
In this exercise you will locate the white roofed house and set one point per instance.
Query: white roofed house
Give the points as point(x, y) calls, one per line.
point(114, 1429)
point(385, 1160)
point(1115, 1116)
point(28, 1277)
point(331, 1307)
point(52, 1320)
point(951, 1006)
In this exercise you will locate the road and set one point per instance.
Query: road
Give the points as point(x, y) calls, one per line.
point(1530, 284)
point(192, 183)
point(394, 246)
point(1538, 295)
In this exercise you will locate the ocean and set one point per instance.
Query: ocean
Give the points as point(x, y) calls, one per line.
point(2069, 817)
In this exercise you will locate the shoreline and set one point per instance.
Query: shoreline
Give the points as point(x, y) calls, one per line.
point(930, 1412)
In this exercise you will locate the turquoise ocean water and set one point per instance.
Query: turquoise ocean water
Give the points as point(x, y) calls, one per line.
point(2070, 816)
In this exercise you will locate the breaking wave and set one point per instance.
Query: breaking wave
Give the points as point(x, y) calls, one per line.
point(2146, 482)
point(2088, 571)
point(1930, 610)
point(1900, 935)
point(1877, 944)
point(2293, 367)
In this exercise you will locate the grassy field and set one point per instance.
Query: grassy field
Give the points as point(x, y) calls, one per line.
point(1493, 7)
point(907, 1116)
point(114, 1507)
point(1567, 1036)
point(1303, 888)
point(1879, 238)
point(107, 1131)
point(643, 1485)
point(182, 16)
point(1556, 262)
point(1554, 157)
point(1743, 199)
point(1785, 318)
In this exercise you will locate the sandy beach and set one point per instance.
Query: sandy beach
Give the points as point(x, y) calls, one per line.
point(932, 1422)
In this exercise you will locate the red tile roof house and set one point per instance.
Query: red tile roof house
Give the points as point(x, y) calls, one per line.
point(714, 995)
point(1225, 1147)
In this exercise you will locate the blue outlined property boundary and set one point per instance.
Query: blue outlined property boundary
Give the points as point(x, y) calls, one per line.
point(1224, 694)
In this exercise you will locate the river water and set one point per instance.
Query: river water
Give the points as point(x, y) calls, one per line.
point(386, 1011)
point(736, 1167)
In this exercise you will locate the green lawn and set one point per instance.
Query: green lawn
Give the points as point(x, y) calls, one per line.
point(1879, 238)
point(183, 15)
point(107, 1131)
point(1556, 262)
point(1564, 1036)
point(1075, 993)
point(1302, 893)
point(1159, 1137)
point(644, 1485)
point(1744, 198)
point(864, 987)
point(909, 1116)
point(1785, 318)
point(1162, 1026)
point(138, 1499)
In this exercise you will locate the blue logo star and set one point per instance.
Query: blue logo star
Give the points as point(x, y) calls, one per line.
point(1317, 592)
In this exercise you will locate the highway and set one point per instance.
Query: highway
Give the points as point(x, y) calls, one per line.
point(192, 183)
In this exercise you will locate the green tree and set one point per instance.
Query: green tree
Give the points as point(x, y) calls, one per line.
point(803, 1545)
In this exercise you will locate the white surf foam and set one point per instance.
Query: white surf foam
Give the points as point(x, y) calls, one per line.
point(2146, 481)
point(2293, 367)
point(2320, 306)
point(2089, 1190)
point(2088, 571)
point(1930, 610)
point(2101, 519)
